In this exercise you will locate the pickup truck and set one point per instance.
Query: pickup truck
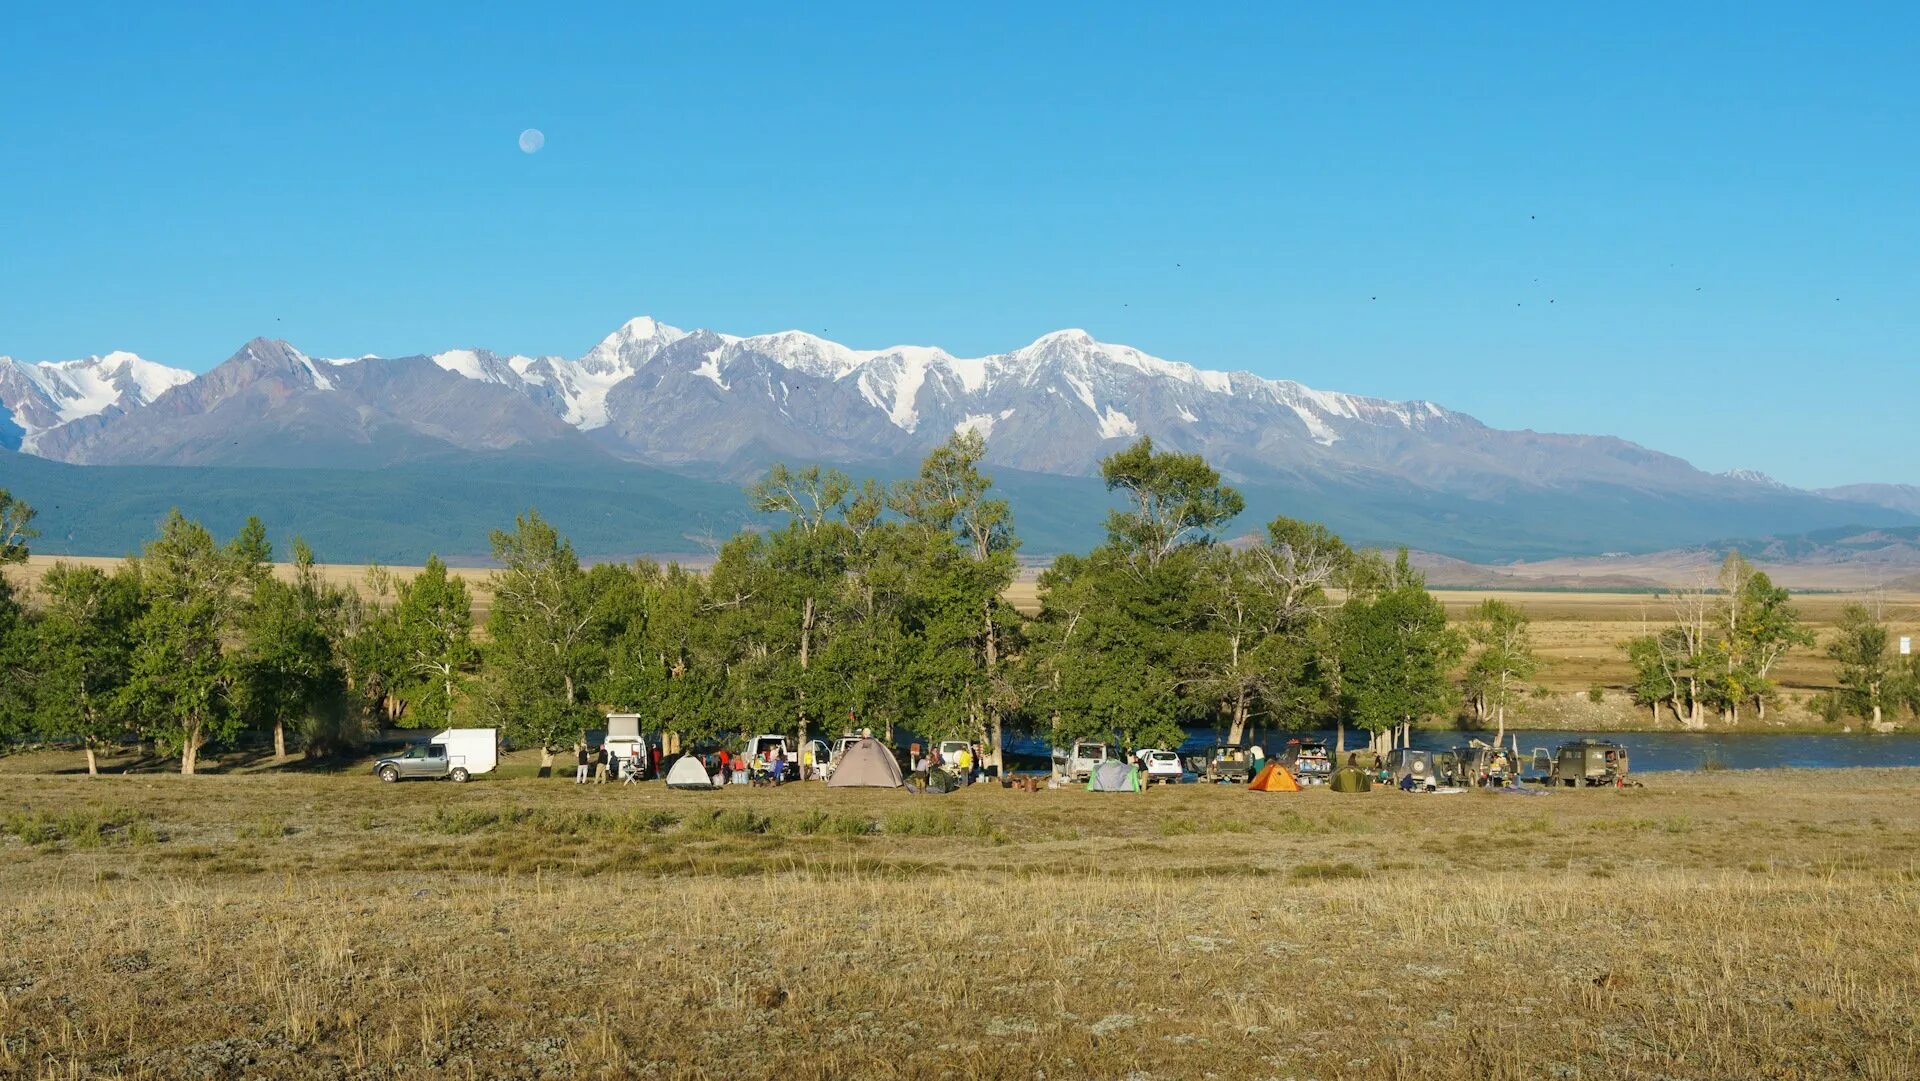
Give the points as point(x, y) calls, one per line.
point(457, 755)
point(1079, 763)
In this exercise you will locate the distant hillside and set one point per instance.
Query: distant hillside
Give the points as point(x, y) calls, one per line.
point(1855, 558)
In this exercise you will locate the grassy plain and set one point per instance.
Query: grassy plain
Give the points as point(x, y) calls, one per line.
point(1707, 926)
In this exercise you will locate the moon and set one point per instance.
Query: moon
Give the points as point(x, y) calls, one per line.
point(532, 140)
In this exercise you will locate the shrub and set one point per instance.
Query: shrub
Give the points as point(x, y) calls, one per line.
point(1596, 694)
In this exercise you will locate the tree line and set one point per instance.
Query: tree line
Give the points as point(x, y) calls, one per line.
point(867, 605)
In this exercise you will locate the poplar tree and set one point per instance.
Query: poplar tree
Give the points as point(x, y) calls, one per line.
point(85, 656)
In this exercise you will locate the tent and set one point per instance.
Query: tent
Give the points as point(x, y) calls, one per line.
point(1114, 775)
point(689, 773)
point(1350, 779)
point(1274, 778)
point(866, 764)
point(939, 782)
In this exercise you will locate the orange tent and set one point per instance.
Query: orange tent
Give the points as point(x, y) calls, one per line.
point(1274, 778)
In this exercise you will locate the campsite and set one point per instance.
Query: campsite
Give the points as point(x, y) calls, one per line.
point(1744, 925)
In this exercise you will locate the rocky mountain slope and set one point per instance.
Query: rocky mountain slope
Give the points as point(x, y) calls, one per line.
point(717, 406)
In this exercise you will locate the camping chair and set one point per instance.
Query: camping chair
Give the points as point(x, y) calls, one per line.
point(630, 770)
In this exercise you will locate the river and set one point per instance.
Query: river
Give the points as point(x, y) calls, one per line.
point(1648, 751)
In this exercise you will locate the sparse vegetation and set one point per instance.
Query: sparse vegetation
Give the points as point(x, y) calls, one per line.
point(429, 929)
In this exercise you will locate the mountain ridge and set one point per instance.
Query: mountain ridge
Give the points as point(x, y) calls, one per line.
point(720, 407)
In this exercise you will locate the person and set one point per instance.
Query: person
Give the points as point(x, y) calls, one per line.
point(778, 766)
point(631, 771)
point(580, 762)
point(726, 766)
point(963, 761)
point(600, 759)
point(1406, 783)
point(654, 752)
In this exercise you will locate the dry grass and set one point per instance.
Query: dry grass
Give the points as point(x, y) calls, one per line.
point(1719, 925)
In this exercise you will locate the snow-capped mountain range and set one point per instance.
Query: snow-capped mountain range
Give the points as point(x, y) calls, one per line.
point(721, 405)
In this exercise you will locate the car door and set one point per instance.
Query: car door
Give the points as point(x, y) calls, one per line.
point(435, 762)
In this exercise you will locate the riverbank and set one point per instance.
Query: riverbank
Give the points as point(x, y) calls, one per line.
point(1706, 925)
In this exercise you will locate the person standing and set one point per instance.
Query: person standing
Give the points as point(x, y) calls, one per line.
point(580, 762)
point(600, 758)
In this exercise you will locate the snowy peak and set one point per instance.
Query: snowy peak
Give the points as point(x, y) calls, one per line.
point(46, 395)
point(631, 346)
point(1754, 477)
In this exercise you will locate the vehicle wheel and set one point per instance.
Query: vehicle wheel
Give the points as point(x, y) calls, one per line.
point(459, 776)
point(389, 774)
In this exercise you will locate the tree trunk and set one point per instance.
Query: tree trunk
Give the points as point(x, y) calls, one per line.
point(806, 650)
point(1339, 739)
point(190, 751)
point(1760, 706)
point(1500, 720)
point(279, 738)
point(999, 748)
point(1239, 730)
point(93, 761)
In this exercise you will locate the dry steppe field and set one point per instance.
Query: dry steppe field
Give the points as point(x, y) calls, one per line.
point(281, 924)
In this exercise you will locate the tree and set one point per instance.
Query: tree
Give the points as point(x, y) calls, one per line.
point(1174, 500)
point(1396, 653)
point(809, 556)
point(434, 628)
point(85, 661)
point(1502, 661)
point(543, 636)
point(971, 543)
point(181, 686)
point(16, 528)
point(290, 669)
point(16, 629)
point(1863, 647)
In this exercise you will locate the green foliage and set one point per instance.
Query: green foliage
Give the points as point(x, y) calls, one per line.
point(85, 653)
point(1396, 651)
point(1174, 500)
point(543, 630)
point(1503, 659)
point(433, 624)
point(288, 669)
point(181, 688)
point(16, 528)
point(1864, 649)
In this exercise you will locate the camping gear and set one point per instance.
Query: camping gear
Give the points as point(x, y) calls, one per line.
point(689, 773)
point(1274, 778)
point(1350, 779)
point(866, 763)
point(939, 782)
point(1114, 776)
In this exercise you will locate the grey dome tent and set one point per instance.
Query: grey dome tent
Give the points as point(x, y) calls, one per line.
point(866, 764)
point(689, 773)
point(1113, 775)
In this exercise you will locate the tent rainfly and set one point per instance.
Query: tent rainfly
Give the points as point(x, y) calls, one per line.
point(1114, 775)
point(689, 773)
point(866, 764)
point(1274, 778)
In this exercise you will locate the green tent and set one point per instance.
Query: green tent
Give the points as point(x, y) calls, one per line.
point(1350, 779)
point(1114, 776)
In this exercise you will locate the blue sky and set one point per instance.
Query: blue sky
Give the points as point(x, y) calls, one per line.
point(1698, 228)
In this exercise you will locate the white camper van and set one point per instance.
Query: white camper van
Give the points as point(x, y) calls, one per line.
point(624, 740)
point(457, 754)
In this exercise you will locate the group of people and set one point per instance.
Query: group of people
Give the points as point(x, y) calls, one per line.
point(735, 768)
point(965, 765)
point(593, 765)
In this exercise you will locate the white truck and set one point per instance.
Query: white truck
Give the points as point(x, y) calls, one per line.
point(1078, 764)
point(457, 754)
point(624, 741)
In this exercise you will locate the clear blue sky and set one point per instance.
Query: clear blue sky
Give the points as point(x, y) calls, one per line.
point(1721, 202)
